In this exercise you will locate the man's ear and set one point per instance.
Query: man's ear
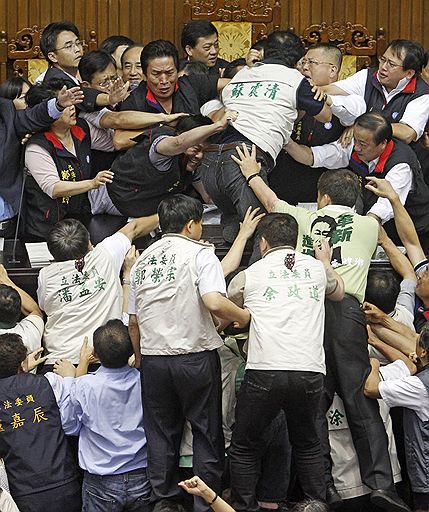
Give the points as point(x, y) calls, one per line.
point(85, 83)
point(410, 73)
point(23, 367)
point(188, 50)
point(52, 57)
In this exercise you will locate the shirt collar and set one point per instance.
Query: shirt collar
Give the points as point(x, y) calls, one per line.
point(401, 87)
point(287, 248)
point(122, 369)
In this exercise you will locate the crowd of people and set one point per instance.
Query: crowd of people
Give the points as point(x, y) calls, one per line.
point(297, 382)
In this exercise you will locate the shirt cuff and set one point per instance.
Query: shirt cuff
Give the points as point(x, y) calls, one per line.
point(53, 110)
point(317, 157)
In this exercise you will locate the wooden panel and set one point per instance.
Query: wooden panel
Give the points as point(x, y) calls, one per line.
point(145, 20)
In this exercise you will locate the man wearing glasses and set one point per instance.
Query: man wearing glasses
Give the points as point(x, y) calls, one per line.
point(61, 45)
point(395, 89)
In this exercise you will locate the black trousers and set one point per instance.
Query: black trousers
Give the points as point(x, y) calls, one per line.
point(64, 498)
point(347, 367)
point(176, 388)
point(262, 395)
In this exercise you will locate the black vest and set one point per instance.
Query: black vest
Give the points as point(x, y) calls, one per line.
point(416, 438)
point(395, 108)
point(138, 187)
point(32, 441)
point(295, 182)
point(417, 203)
point(42, 211)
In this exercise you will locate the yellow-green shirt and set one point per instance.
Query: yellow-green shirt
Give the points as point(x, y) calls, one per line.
point(353, 238)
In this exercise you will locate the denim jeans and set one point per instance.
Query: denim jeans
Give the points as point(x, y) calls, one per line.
point(116, 493)
point(226, 185)
point(262, 395)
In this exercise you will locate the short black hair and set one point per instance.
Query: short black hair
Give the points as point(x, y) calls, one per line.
point(10, 304)
point(158, 49)
point(186, 123)
point(94, 62)
point(377, 124)
point(195, 29)
point(68, 240)
point(341, 185)
point(176, 211)
point(259, 45)
point(12, 353)
point(12, 87)
point(284, 46)
point(278, 229)
point(424, 336)
point(382, 289)
point(46, 91)
point(136, 45)
point(110, 44)
point(231, 68)
point(193, 67)
point(330, 49)
point(413, 51)
point(112, 344)
point(48, 40)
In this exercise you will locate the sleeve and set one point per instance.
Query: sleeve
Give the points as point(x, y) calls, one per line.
point(89, 99)
point(33, 327)
point(305, 99)
point(332, 155)
point(70, 410)
point(394, 371)
point(40, 291)
point(211, 106)
point(236, 289)
point(348, 108)
point(421, 267)
point(56, 383)
point(354, 84)
point(101, 138)
point(406, 297)
point(132, 294)
point(409, 392)
point(117, 246)
point(400, 177)
point(161, 162)
point(205, 86)
point(36, 118)
point(416, 114)
point(41, 166)
point(210, 273)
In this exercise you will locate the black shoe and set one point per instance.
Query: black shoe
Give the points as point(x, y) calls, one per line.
point(388, 500)
point(333, 499)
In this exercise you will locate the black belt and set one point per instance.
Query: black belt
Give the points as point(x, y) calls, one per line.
point(220, 148)
point(4, 224)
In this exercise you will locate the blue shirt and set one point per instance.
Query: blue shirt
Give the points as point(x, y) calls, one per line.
point(105, 409)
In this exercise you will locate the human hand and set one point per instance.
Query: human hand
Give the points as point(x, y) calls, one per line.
point(102, 178)
point(247, 161)
point(34, 359)
point(171, 119)
point(322, 251)
point(130, 259)
point(250, 222)
point(381, 187)
point(228, 116)
point(68, 97)
point(346, 137)
point(253, 56)
point(64, 368)
point(374, 315)
point(118, 91)
point(197, 487)
point(86, 355)
point(244, 320)
point(319, 93)
point(26, 138)
point(373, 339)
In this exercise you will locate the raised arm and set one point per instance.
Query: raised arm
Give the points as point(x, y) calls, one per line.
point(140, 227)
point(28, 305)
point(400, 263)
point(403, 222)
point(135, 120)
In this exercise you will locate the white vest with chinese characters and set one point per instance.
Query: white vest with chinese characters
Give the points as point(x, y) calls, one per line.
point(265, 97)
point(286, 303)
point(171, 314)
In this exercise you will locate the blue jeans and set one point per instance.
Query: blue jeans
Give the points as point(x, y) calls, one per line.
point(225, 183)
point(116, 493)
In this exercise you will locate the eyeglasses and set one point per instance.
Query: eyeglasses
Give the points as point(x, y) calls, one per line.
point(389, 64)
point(70, 46)
point(107, 81)
point(312, 62)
